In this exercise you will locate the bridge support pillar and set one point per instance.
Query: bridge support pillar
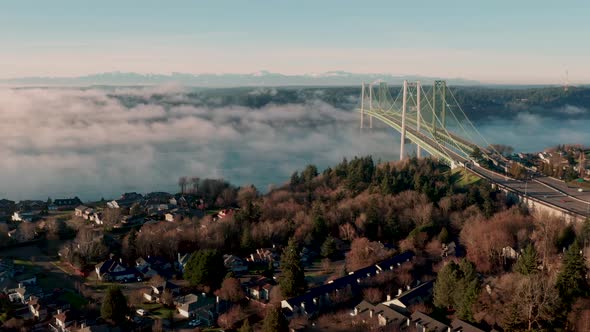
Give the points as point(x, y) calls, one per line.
point(370, 104)
point(404, 106)
point(418, 117)
point(362, 104)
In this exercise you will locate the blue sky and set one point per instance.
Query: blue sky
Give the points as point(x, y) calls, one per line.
point(491, 41)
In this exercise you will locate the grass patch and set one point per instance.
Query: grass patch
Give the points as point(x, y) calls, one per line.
point(162, 312)
point(150, 306)
point(75, 300)
point(463, 178)
point(23, 262)
point(52, 281)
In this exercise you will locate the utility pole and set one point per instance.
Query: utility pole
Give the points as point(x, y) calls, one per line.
point(418, 115)
point(404, 106)
point(362, 104)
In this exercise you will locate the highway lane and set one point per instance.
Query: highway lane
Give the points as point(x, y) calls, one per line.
point(530, 188)
point(537, 191)
point(561, 185)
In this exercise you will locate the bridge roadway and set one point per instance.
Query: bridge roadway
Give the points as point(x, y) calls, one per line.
point(541, 191)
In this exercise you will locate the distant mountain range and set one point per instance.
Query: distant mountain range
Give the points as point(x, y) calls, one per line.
point(262, 78)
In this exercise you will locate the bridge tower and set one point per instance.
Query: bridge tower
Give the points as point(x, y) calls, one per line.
point(362, 104)
point(439, 102)
point(418, 116)
point(404, 107)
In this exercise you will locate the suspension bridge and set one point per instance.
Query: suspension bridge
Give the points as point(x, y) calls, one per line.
point(432, 118)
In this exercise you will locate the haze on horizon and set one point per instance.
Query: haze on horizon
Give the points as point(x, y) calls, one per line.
point(527, 42)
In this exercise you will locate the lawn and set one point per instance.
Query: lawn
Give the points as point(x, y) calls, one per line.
point(162, 312)
point(23, 262)
point(75, 300)
point(463, 178)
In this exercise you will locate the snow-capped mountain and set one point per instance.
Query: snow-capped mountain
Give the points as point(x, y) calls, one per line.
point(260, 78)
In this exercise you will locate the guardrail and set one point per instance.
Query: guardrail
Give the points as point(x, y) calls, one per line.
point(573, 214)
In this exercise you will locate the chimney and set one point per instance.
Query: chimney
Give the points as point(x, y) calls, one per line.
point(121, 260)
point(82, 325)
point(20, 285)
point(58, 311)
point(371, 313)
point(399, 291)
point(408, 287)
point(388, 297)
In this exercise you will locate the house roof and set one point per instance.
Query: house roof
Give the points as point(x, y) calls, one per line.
point(109, 267)
point(68, 316)
point(390, 314)
point(462, 326)
point(67, 201)
point(192, 302)
point(349, 280)
point(428, 322)
point(416, 294)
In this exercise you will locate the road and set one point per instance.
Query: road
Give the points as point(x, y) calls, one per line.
point(545, 189)
point(539, 191)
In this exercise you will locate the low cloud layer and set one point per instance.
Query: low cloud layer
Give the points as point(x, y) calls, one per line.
point(65, 142)
point(95, 143)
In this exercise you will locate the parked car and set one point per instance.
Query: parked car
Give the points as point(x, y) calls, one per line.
point(194, 322)
point(141, 312)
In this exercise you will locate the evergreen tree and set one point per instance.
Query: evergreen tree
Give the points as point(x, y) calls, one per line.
point(114, 305)
point(527, 262)
point(275, 321)
point(444, 236)
point(457, 286)
point(295, 180)
point(246, 327)
point(205, 268)
point(445, 285)
point(246, 241)
point(329, 249)
point(571, 280)
point(293, 279)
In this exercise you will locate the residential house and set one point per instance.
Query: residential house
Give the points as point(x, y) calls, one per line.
point(65, 320)
point(458, 325)
point(425, 323)
point(132, 220)
point(79, 210)
point(417, 295)
point(154, 294)
point(310, 303)
point(151, 266)
point(192, 305)
point(63, 204)
point(449, 250)
point(179, 213)
point(114, 270)
point(96, 217)
point(28, 216)
point(181, 261)
point(259, 288)
point(126, 200)
point(37, 309)
point(23, 293)
point(265, 256)
point(235, 264)
point(84, 212)
point(386, 316)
